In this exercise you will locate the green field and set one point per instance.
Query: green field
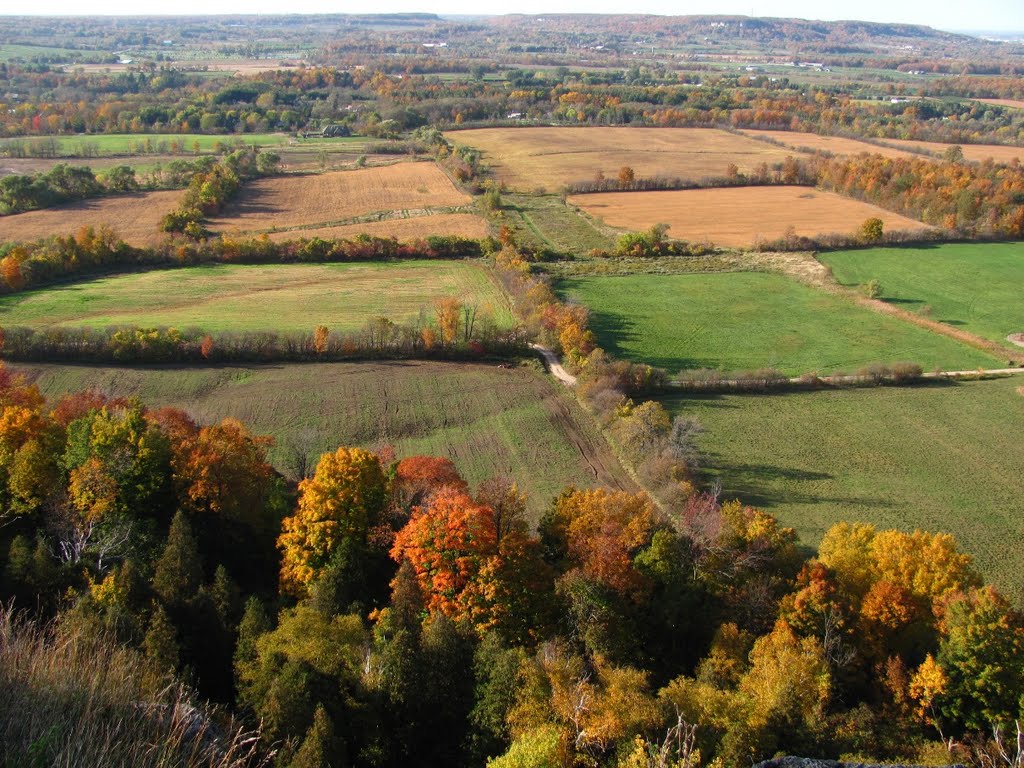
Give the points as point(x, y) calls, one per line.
point(746, 320)
point(98, 144)
point(975, 286)
point(546, 222)
point(946, 457)
point(488, 420)
point(281, 297)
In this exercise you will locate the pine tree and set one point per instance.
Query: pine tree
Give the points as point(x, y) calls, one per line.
point(255, 623)
point(226, 598)
point(178, 571)
point(161, 642)
point(320, 748)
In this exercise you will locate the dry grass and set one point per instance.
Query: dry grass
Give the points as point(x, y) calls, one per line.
point(834, 144)
point(71, 698)
point(527, 158)
point(973, 152)
point(136, 217)
point(738, 217)
point(336, 198)
point(461, 224)
point(1013, 103)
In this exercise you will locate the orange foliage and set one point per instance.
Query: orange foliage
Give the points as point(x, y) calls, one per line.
point(603, 530)
point(451, 542)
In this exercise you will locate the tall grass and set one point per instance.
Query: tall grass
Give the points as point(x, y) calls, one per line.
point(75, 698)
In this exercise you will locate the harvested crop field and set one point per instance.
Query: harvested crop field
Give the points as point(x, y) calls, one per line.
point(135, 218)
point(834, 144)
point(279, 297)
point(488, 420)
point(973, 152)
point(1012, 103)
point(528, 158)
point(738, 217)
point(460, 224)
point(747, 320)
point(944, 457)
point(337, 198)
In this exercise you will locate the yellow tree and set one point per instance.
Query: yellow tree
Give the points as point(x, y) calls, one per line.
point(343, 500)
point(449, 314)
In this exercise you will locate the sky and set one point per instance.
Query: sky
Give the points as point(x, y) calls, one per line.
point(987, 15)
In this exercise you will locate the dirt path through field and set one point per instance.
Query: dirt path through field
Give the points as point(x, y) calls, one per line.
point(554, 366)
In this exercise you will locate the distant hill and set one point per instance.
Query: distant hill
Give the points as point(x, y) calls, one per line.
point(826, 36)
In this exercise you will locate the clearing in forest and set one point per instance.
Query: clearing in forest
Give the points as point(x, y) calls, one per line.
point(942, 457)
point(747, 320)
point(837, 145)
point(738, 217)
point(305, 204)
point(972, 286)
point(488, 420)
point(135, 217)
point(270, 297)
point(528, 158)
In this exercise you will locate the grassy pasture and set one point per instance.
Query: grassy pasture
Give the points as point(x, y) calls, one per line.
point(945, 457)
point(745, 320)
point(528, 158)
point(737, 217)
point(545, 221)
point(281, 297)
point(488, 420)
point(974, 286)
point(336, 199)
point(837, 145)
point(135, 217)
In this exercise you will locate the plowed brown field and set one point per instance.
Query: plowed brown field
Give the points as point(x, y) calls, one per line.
point(739, 216)
point(527, 158)
point(136, 217)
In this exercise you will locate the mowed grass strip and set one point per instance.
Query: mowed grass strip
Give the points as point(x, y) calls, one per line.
point(746, 320)
point(135, 218)
point(978, 287)
point(329, 198)
point(945, 457)
point(738, 217)
point(415, 227)
point(488, 420)
point(277, 297)
point(528, 158)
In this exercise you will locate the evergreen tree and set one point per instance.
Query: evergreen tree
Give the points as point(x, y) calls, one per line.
point(320, 748)
point(178, 571)
point(161, 642)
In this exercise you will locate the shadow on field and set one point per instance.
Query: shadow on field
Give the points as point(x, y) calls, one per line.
point(753, 484)
point(614, 330)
